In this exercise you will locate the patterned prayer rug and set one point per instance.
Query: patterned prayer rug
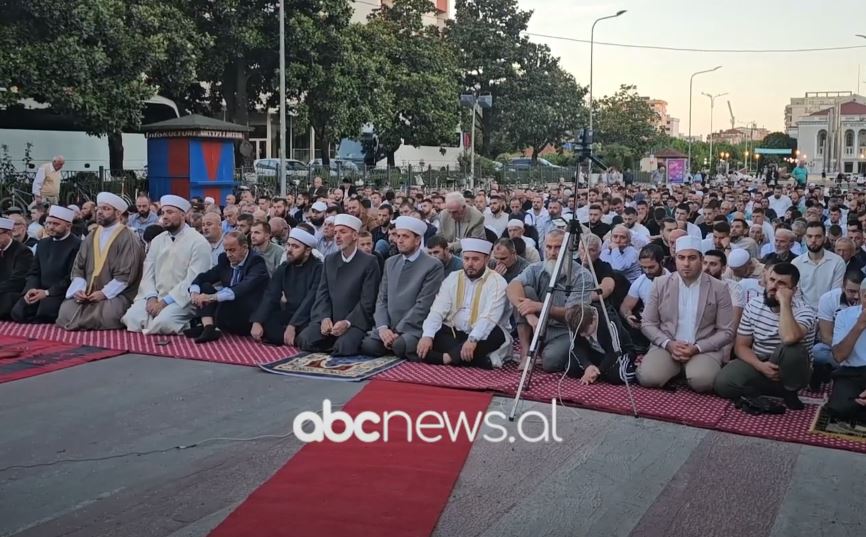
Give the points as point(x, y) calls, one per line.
point(21, 357)
point(844, 431)
point(325, 366)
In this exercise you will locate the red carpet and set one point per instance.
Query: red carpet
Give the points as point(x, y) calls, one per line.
point(394, 488)
point(228, 350)
point(682, 406)
point(21, 358)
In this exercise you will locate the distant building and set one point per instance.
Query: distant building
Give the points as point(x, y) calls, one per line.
point(363, 9)
point(834, 139)
point(739, 135)
point(670, 125)
point(814, 101)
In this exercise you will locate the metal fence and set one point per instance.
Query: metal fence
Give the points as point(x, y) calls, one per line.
point(75, 188)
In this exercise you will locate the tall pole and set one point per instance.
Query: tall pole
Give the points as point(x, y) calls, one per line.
point(283, 98)
point(712, 106)
point(591, 50)
point(691, 82)
point(472, 161)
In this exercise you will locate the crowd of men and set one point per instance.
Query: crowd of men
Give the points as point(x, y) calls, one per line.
point(743, 289)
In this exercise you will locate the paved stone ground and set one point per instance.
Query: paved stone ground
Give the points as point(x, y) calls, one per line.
point(612, 475)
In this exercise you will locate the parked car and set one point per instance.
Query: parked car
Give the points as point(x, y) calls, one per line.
point(519, 164)
point(336, 167)
point(267, 167)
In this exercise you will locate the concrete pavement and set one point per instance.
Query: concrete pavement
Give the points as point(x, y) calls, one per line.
point(613, 475)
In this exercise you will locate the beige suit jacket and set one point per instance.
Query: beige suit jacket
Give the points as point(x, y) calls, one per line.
point(715, 323)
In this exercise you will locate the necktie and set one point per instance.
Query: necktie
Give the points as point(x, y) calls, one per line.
point(236, 276)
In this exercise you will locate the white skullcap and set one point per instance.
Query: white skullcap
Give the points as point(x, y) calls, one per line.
point(67, 215)
point(411, 224)
point(329, 220)
point(209, 199)
point(688, 243)
point(476, 245)
point(349, 221)
point(738, 257)
point(6, 224)
point(515, 223)
point(107, 198)
point(303, 237)
point(319, 207)
point(174, 201)
point(74, 208)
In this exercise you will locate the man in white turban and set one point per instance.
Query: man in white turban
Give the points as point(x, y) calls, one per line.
point(106, 271)
point(176, 256)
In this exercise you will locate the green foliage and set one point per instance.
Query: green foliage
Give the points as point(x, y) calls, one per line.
point(543, 104)
point(778, 140)
point(416, 103)
point(625, 118)
point(95, 59)
point(489, 37)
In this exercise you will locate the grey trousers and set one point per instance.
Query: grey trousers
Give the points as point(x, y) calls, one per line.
point(311, 340)
point(739, 379)
point(554, 354)
point(403, 347)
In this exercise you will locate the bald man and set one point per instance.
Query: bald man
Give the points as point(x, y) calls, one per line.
point(211, 229)
point(460, 221)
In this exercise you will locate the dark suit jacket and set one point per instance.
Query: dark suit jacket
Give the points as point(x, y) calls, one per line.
point(253, 280)
point(14, 266)
point(52, 265)
point(347, 291)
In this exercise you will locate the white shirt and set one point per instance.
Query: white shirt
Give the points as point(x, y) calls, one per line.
point(780, 205)
point(496, 223)
point(749, 288)
point(350, 258)
point(694, 231)
point(830, 305)
point(687, 313)
point(816, 278)
point(641, 287)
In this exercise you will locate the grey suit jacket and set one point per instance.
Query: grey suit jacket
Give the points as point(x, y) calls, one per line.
point(406, 294)
point(347, 291)
point(472, 226)
point(715, 325)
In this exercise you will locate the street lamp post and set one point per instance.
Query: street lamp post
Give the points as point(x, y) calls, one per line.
point(474, 101)
point(283, 98)
point(691, 81)
point(712, 106)
point(591, 48)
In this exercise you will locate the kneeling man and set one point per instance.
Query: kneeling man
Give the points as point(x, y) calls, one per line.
point(176, 256)
point(343, 311)
point(409, 285)
point(242, 276)
point(288, 300)
point(688, 320)
point(468, 322)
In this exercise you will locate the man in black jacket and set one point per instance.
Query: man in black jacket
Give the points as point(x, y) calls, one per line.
point(243, 276)
point(48, 278)
point(277, 321)
point(15, 261)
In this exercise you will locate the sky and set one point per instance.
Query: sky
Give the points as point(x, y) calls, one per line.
point(758, 85)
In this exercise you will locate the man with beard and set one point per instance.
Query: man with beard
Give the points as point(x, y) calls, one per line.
point(260, 240)
point(848, 396)
point(596, 226)
point(621, 255)
point(668, 224)
point(317, 216)
point(437, 247)
point(831, 303)
point(495, 217)
point(241, 276)
point(681, 215)
point(15, 261)
point(526, 291)
point(356, 209)
point(106, 272)
point(468, 322)
point(174, 259)
point(212, 231)
point(288, 300)
point(409, 284)
point(343, 311)
point(773, 344)
point(48, 277)
point(640, 235)
point(740, 238)
point(650, 260)
point(144, 216)
point(688, 320)
point(460, 221)
point(715, 262)
point(782, 249)
point(819, 270)
point(845, 248)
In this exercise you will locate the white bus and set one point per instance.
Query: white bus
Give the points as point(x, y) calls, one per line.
point(49, 133)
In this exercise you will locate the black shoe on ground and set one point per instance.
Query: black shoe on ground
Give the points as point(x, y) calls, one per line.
point(193, 332)
point(792, 401)
point(208, 334)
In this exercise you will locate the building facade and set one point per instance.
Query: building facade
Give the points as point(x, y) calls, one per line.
point(670, 125)
point(815, 101)
point(833, 140)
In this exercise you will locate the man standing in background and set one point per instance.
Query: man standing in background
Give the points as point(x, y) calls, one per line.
point(46, 185)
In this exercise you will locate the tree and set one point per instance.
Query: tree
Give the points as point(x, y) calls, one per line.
point(627, 119)
point(779, 140)
point(543, 105)
point(489, 38)
point(96, 60)
point(417, 104)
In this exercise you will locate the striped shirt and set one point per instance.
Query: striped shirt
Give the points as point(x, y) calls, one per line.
point(762, 324)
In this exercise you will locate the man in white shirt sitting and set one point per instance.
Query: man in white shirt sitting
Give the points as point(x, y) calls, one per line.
point(820, 270)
